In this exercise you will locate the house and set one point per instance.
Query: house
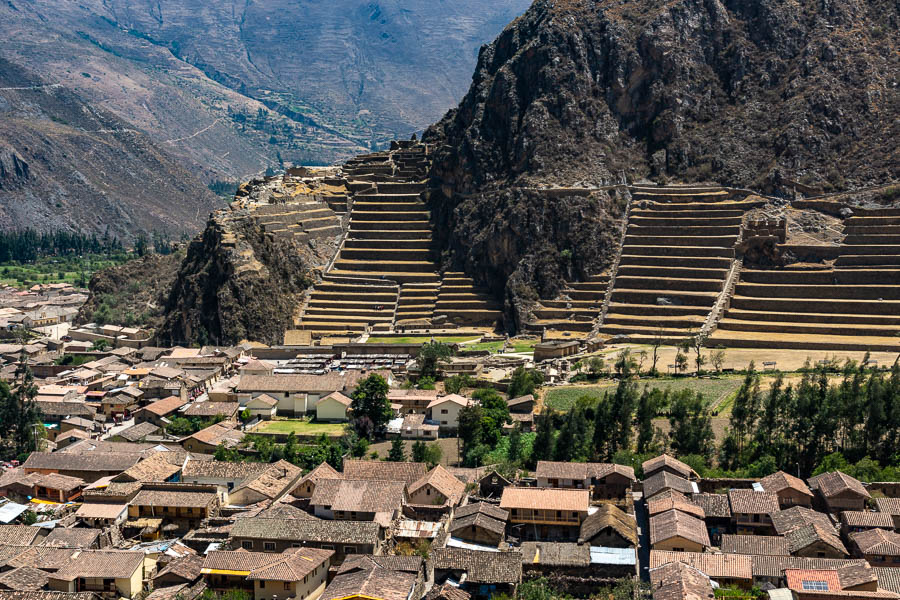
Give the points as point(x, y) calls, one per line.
point(408, 472)
point(54, 487)
point(809, 584)
point(73, 537)
point(437, 488)
point(298, 573)
point(839, 491)
point(726, 569)
point(101, 515)
point(767, 545)
point(20, 535)
point(332, 408)
point(119, 402)
point(226, 476)
point(257, 367)
point(23, 580)
point(605, 480)
point(668, 464)
point(522, 405)
point(307, 484)
point(157, 468)
point(751, 510)
point(298, 394)
point(717, 513)
point(137, 433)
point(680, 581)
point(412, 402)
point(791, 491)
point(815, 541)
point(263, 407)
point(414, 427)
point(269, 484)
point(358, 500)
point(159, 412)
point(210, 408)
point(492, 484)
point(103, 571)
point(89, 466)
point(479, 523)
point(367, 577)
point(881, 548)
point(770, 569)
point(785, 521)
point(674, 501)
point(663, 481)
point(546, 513)
point(207, 440)
point(609, 527)
point(276, 535)
point(445, 410)
point(182, 570)
point(183, 505)
point(70, 437)
point(858, 520)
point(486, 574)
point(679, 532)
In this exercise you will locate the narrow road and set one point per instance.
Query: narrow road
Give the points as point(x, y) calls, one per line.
point(643, 523)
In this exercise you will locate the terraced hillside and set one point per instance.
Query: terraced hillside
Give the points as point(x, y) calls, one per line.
point(851, 301)
point(384, 275)
point(574, 312)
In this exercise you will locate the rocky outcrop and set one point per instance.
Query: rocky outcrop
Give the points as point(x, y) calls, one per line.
point(754, 93)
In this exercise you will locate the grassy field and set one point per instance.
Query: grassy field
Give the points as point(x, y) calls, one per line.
point(716, 391)
point(450, 339)
point(492, 347)
point(57, 269)
point(300, 427)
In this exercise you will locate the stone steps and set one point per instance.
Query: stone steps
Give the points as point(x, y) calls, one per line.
point(866, 260)
point(384, 266)
point(360, 216)
point(389, 207)
point(417, 225)
point(561, 325)
point(391, 234)
point(681, 251)
point(397, 276)
point(377, 244)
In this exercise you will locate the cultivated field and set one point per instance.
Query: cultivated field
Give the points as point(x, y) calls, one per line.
point(716, 391)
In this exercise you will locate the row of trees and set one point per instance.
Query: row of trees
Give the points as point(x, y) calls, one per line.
point(27, 245)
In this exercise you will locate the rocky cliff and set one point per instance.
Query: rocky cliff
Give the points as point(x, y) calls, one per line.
point(755, 93)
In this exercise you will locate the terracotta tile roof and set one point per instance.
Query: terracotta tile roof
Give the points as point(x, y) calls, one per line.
point(835, 483)
point(441, 480)
point(610, 516)
point(668, 525)
point(273, 480)
point(156, 468)
point(97, 510)
point(454, 398)
point(181, 591)
point(485, 508)
point(312, 530)
point(569, 470)
point(138, 432)
point(280, 510)
point(770, 545)
point(166, 406)
point(888, 578)
point(664, 480)
point(359, 495)
point(447, 592)
point(377, 582)
point(186, 567)
point(867, 519)
point(240, 560)
point(409, 472)
point(480, 567)
point(479, 520)
point(679, 581)
point(827, 579)
point(88, 461)
point(806, 535)
point(71, 537)
point(101, 564)
point(18, 535)
point(219, 434)
point(856, 574)
point(265, 399)
point(890, 506)
point(323, 471)
point(774, 566)
point(777, 482)
point(219, 469)
point(211, 409)
point(292, 565)
point(727, 566)
point(664, 460)
point(750, 502)
point(174, 498)
point(714, 505)
point(65, 409)
point(24, 579)
point(545, 499)
point(337, 396)
point(877, 541)
point(520, 400)
point(45, 595)
point(797, 516)
point(46, 558)
point(674, 502)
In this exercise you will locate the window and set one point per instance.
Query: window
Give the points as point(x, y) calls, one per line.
point(262, 585)
point(427, 491)
point(295, 545)
point(756, 518)
point(269, 546)
point(812, 585)
point(559, 514)
point(247, 545)
point(287, 586)
point(327, 547)
point(443, 411)
point(349, 549)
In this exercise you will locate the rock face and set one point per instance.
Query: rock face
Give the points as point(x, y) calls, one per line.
point(67, 165)
point(758, 93)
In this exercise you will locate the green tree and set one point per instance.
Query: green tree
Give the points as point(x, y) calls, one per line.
point(457, 383)
point(470, 430)
point(691, 424)
point(494, 415)
point(524, 381)
point(419, 450)
point(370, 407)
point(542, 448)
point(433, 454)
point(514, 451)
point(398, 451)
point(431, 355)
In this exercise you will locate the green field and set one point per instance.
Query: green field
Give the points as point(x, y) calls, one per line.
point(450, 339)
point(54, 269)
point(492, 347)
point(300, 427)
point(715, 391)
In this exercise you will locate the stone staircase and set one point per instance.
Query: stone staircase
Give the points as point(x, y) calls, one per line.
point(677, 253)
point(574, 311)
point(300, 221)
point(462, 303)
point(854, 305)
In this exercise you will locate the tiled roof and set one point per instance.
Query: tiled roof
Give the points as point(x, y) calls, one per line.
point(88, 461)
point(520, 400)
point(174, 498)
point(447, 592)
point(46, 558)
point(867, 519)
point(445, 483)
point(219, 469)
point(101, 564)
point(454, 398)
point(272, 481)
point(292, 565)
point(181, 591)
point(486, 508)
point(673, 502)
point(666, 481)
point(610, 516)
point(835, 483)
point(410, 564)
point(265, 399)
point(856, 574)
point(750, 502)
point(480, 567)
point(156, 468)
point(553, 554)
point(664, 460)
point(668, 525)
point(809, 534)
point(211, 409)
point(165, 406)
point(795, 579)
point(890, 506)
point(545, 499)
point(323, 471)
point(877, 541)
point(71, 537)
point(99, 510)
point(45, 595)
point(384, 470)
point(479, 520)
point(64, 409)
point(568, 470)
point(777, 482)
point(797, 516)
point(330, 382)
point(217, 434)
point(138, 432)
point(384, 584)
point(25, 579)
point(888, 578)
point(728, 566)
point(359, 495)
point(187, 567)
point(680, 581)
point(297, 530)
point(18, 535)
point(336, 396)
point(774, 566)
point(770, 545)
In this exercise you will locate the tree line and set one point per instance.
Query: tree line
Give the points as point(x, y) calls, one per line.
point(27, 245)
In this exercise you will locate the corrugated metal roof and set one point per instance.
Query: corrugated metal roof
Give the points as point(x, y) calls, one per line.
point(602, 555)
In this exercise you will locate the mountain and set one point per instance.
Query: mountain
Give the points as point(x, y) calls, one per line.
point(768, 94)
point(66, 164)
point(234, 87)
